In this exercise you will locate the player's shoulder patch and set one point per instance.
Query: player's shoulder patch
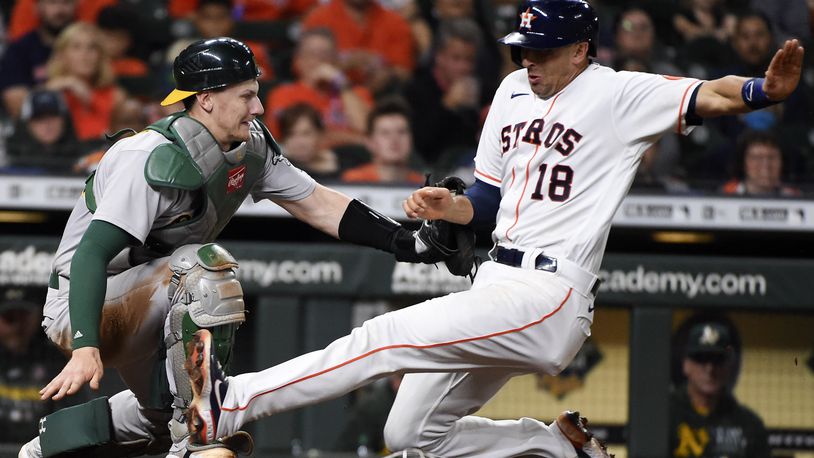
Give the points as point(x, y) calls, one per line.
point(171, 166)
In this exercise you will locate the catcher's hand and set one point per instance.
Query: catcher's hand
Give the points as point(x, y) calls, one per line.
point(439, 240)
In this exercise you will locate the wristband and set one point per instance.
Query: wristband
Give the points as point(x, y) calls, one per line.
point(753, 95)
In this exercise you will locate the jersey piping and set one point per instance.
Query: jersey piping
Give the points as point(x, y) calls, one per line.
point(486, 175)
point(398, 346)
point(526, 183)
point(522, 194)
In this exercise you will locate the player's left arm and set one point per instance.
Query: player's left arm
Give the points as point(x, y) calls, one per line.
point(322, 209)
point(735, 94)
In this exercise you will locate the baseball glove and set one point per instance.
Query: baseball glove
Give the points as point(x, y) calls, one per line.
point(454, 242)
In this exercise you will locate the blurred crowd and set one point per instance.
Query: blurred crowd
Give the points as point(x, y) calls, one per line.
point(384, 91)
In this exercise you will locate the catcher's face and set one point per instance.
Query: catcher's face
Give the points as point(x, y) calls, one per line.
point(231, 110)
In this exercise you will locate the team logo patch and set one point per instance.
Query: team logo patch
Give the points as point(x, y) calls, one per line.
point(526, 17)
point(235, 179)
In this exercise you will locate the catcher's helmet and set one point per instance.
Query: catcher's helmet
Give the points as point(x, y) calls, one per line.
point(211, 64)
point(544, 24)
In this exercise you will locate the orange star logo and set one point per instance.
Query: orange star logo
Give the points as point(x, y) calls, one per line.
point(526, 17)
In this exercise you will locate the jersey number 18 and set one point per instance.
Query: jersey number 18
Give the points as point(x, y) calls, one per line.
point(559, 185)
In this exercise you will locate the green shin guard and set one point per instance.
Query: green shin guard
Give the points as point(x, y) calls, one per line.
point(76, 428)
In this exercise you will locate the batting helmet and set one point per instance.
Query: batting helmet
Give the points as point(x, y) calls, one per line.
point(211, 64)
point(544, 24)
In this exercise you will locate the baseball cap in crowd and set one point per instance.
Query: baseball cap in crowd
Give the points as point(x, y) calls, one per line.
point(43, 102)
point(709, 340)
point(17, 300)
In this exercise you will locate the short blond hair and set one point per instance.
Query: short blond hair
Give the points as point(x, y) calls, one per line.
point(103, 76)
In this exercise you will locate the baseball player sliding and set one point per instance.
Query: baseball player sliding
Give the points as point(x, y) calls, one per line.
point(557, 155)
point(136, 274)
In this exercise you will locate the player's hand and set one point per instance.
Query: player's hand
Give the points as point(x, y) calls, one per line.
point(84, 366)
point(784, 71)
point(428, 203)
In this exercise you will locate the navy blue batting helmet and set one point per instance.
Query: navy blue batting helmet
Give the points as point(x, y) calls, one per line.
point(545, 24)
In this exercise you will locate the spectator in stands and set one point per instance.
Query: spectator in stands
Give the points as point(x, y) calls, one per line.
point(81, 69)
point(249, 10)
point(29, 362)
point(216, 18)
point(27, 14)
point(753, 48)
point(635, 38)
point(390, 144)
point(301, 132)
point(118, 25)
point(490, 59)
point(43, 139)
point(790, 18)
point(753, 43)
point(444, 97)
point(375, 45)
point(322, 84)
point(704, 19)
point(759, 168)
point(23, 65)
point(706, 419)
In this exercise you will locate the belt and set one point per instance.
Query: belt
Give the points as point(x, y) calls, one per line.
point(514, 258)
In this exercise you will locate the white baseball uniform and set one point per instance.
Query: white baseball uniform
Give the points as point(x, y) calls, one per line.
point(563, 166)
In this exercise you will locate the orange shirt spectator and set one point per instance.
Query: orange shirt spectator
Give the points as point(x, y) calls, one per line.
point(120, 25)
point(760, 167)
point(129, 67)
point(390, 143)
point(371, 39)
point(333, 115)
point(322, 84)
point(251, 10)
point(216, 18)
point(91, 119)
point(80, 69)
point(24, 15)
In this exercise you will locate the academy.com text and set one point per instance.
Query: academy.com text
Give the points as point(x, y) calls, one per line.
point(641, 280)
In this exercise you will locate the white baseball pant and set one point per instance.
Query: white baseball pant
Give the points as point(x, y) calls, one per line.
point(463, 347)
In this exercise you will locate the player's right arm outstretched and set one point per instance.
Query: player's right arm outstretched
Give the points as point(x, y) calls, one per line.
point(735, 94)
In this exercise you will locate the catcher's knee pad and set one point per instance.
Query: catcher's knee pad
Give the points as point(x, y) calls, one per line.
point(204, 293)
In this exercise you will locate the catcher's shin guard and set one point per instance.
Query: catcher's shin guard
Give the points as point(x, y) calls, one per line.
point(204, 293)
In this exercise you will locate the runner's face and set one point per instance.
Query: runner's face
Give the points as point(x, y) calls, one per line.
point(550, 70)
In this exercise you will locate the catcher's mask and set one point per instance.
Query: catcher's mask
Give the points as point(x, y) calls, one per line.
point(211, 64)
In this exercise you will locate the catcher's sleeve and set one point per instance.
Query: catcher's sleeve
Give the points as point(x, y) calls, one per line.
point(101, 242)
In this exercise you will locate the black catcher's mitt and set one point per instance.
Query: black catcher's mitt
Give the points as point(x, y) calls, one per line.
point(454, 242)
